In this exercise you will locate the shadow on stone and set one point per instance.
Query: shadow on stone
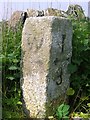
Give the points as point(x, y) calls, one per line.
point(60, 57)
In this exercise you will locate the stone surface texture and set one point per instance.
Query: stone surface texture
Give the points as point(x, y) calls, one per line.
point(46, 53)
point(34, 13)
point(54, 12)
point(15, 18)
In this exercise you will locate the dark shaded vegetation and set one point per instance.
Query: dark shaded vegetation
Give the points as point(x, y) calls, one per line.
point(11, 56)
point(80, 68)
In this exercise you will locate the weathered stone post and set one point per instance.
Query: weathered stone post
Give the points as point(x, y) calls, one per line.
point(46, 53)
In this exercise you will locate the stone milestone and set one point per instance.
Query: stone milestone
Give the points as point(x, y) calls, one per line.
point(46, 53)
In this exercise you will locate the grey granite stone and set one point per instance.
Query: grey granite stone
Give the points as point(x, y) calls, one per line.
point(46, 53)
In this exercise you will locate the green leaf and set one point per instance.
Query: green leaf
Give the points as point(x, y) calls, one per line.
point(10, 77)
point(88, 104)
point(76, 61)
point(84, 98)
point(72, 68)
point(65, 113)
point(60, 108)
point(59, 111)
point(2, 56)
point(66, 117)
point(70, 91)
point(59, 114)
point(19, 103)
point(65, 109)
point(15, 60)
point(13, 67)
point(11, 56)
point(87, 85)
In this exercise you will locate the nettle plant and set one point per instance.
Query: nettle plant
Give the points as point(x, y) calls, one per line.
point(63, 111)
point(80, 66)
point(11, 55)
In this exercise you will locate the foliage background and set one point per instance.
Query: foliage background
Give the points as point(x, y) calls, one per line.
point(11, 56)
point(80, 66)
point(79, 69)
